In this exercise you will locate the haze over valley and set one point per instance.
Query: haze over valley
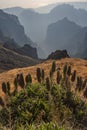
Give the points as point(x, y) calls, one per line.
point(38, 27)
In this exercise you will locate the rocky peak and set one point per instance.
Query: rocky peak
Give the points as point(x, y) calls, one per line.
point(58, 54)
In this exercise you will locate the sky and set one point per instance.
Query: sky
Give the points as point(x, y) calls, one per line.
point(32, 3)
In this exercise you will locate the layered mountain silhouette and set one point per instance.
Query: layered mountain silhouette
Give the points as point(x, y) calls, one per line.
point(36, 24)
point(15, 47)
point(65, 34)
point(13, 56)
point(48, 8)
point(11, 31)
point(14, 10)
point(10, 59)
point(62, 28)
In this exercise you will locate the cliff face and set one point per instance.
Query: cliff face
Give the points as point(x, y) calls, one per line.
point(59, 35)
point(65, 34)
point(12, 36)
point(11, 27)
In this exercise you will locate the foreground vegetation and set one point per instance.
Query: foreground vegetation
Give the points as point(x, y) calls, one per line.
point(47, 104)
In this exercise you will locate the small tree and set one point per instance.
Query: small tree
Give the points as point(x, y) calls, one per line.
point(28, 79)
point(48, 84)
point(38, 75)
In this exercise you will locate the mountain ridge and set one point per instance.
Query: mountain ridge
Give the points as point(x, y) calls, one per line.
point(65, 34)
point(64, 10)
point(10, 59)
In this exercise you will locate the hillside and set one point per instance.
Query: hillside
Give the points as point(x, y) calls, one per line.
point(77, 64)
point(10, 59)
point(57, 102)
point(25, 50)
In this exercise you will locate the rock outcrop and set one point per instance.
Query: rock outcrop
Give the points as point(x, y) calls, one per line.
point(59, 54)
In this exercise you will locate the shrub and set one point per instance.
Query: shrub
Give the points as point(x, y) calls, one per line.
point(59, 77)
point(53, 68)
point(38, 75)
point(42, 74)
point(28, 79)
point(20, 79)
point(47, 84)
point(64, 71)
point(73, 76)
point(1, 102)
point(4, 89)
point(85, 93)
point(84, 84)
point(69, 71)
point(8, 88)
point(15, 86)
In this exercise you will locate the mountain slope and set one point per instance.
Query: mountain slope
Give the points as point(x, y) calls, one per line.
point(10, 27)
point(65, 34)
point(10, 59)
point(25, 50)
point(76, 64)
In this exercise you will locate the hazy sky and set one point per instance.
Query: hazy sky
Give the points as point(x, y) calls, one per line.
point(31, 3)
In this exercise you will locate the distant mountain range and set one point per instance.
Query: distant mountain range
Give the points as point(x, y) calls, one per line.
point(48, 8)
point(62, 28)
point(36, 24)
